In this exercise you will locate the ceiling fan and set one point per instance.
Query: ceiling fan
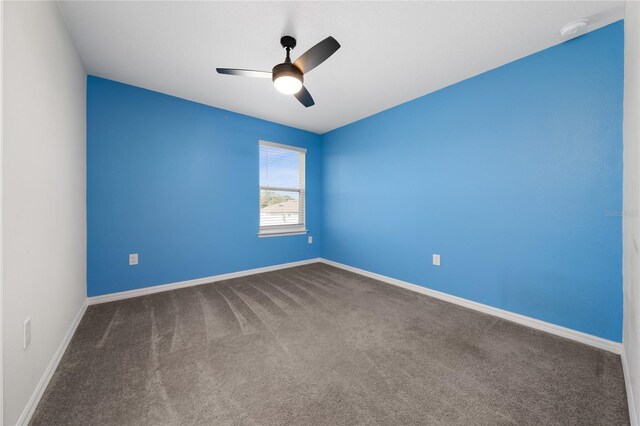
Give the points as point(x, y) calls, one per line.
point(288, 77)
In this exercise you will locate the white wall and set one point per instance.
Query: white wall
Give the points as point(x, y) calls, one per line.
point(44, 177)
point(631, 200)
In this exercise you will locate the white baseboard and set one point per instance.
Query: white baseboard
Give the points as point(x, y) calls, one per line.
point(633, 416)
point(182, 284)
point(28, 411)
point(567, 333)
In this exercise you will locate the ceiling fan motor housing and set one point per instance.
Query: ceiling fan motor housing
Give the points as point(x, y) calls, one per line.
point(286, 70)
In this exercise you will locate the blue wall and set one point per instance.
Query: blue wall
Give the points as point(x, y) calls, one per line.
point(177, 182)
point(508, 175)
point(513, 176)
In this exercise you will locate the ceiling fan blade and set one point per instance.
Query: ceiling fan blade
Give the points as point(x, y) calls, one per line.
point(317, 54)
point(304, 97)
point(244, 73)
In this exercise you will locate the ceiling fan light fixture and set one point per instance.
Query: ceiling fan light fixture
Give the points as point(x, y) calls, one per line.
point(287, 78)
point(288, 84)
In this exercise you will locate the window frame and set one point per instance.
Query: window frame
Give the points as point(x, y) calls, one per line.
point(284, 230)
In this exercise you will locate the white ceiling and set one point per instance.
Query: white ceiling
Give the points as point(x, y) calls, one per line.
point(391, 52)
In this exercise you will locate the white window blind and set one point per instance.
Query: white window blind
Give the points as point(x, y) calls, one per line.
point(282, 189)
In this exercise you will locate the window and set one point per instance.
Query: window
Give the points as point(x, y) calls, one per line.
point(282, 191)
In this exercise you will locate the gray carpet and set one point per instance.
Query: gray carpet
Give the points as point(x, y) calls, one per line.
point(319, 345)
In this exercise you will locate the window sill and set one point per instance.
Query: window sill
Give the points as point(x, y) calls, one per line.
point(282, 233)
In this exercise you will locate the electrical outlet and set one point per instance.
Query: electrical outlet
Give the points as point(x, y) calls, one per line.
point(26, 333)
point(310, 239)
point(133, 259)
point(436, 259)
